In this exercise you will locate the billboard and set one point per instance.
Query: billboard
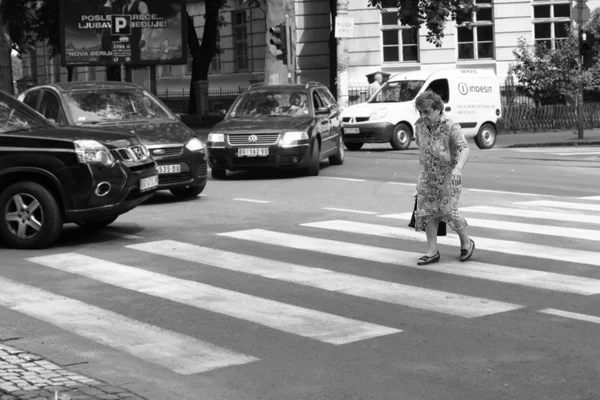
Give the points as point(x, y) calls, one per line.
point(128, 32)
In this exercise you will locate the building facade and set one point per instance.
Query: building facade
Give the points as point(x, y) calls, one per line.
point(380, 43)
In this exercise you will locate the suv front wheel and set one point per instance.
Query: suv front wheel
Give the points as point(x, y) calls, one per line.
point(30, 216)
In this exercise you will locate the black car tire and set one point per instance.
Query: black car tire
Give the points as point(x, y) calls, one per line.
point(354, 146)
point(315, 160)
point(401, 137)
point(97, 223)
point(48, 214)
point(188, 192)
point(218, 173)
point(338, 157)
point(486, 137)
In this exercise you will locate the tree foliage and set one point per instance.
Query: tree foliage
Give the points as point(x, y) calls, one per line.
point(431, 13)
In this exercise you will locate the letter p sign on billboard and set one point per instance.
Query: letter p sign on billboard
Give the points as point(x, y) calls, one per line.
point(120, 24)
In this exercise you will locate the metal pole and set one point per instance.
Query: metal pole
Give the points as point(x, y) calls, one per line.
point(288, 46)
point(580, 94)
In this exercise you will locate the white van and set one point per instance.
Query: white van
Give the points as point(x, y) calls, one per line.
point(471, 98)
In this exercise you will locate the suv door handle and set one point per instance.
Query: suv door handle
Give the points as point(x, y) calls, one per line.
point(448, 109)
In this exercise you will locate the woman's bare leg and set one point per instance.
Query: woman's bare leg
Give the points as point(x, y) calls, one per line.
point(431, 231)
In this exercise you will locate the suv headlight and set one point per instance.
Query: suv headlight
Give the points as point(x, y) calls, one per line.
point(378, 114)
point(194, 144)
point(93, 152)
point(290, 139)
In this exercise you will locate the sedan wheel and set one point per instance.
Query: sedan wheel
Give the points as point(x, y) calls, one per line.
point(338, 157)
point(31, 217)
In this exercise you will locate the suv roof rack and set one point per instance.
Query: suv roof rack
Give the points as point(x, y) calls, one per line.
point(313, 83)
point(256, 85)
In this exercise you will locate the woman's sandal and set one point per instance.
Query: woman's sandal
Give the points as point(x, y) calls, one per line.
point(465, 254)
point(429, 260)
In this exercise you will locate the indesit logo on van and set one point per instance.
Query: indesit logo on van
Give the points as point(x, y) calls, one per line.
point(464, 89)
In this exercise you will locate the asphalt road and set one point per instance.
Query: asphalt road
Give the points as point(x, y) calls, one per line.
point(287, 287)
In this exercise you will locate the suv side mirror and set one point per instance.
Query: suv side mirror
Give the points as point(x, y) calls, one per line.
point(53, 121)
point(323, 110)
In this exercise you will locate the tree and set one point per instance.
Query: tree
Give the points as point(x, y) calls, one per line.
point(432, 13)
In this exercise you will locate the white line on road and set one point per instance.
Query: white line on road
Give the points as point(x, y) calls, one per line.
point(343, 179)
point(251, 200)
point(533, 214)
point(313, 324)
point(499, 273)
point(177, 352)
point(581, 153)
point(590, 198)
point(497, 245)
point(571, 315)
point(550, 230)
point(563, 204)
point(350, 211)
point(390, 292)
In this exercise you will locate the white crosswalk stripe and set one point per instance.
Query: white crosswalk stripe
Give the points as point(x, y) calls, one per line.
point(314, 324)
point(563, 205)
point(180, 353)
point(531, 214)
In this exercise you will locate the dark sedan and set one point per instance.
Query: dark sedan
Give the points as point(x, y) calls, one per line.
point(127, 107)
point(278, 126)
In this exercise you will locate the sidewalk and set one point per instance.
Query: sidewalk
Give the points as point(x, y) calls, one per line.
point(591, 137)
point(26, 376)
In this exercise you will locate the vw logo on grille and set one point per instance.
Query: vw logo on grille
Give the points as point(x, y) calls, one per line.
point(158, 152)
point(252, 139)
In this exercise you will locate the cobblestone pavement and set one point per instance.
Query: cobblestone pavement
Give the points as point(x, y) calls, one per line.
point(26, 376)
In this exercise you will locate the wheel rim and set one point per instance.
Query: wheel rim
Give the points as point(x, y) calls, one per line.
point(401, 136)
point(24, 216)
point(487, 136)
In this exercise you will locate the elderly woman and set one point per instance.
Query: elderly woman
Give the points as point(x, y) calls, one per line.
point(443, 152)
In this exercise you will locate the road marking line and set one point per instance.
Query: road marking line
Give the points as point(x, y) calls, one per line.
point(563, 204)
point(313, 324)
point(590, 198)
point(252, 200)
point(472, 269)
point(403, 184)
point(571, 315)
point(536, 214)
point(343, 179)
point(390, 292)
point(182, 354)
point(550, 230)
point(582, 153)
point(414, 185)
point(350, 211)
point(497, 245)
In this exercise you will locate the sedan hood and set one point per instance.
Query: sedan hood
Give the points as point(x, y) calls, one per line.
point(266, 124)
point(152, 133)
point(111, 139)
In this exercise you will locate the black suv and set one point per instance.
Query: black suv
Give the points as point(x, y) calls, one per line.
point(51, 175)
point(274, 126)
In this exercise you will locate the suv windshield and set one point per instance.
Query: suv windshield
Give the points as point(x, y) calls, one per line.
point(397, 91)
point(16, 116)
point(264, 103)
point(97, 106)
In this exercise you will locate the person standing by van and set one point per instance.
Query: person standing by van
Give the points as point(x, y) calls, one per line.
point(375, 85)
point(443, 152)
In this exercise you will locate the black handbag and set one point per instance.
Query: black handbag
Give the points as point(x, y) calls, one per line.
point(441, 226)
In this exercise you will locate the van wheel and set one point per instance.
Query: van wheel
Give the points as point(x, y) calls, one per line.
point(30, 217)
point(401, 137)
point(354, 146)
point(486, 138)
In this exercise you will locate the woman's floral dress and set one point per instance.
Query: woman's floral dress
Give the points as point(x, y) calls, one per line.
point(439, 151)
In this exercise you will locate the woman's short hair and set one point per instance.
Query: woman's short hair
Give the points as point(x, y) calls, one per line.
point(429, 99)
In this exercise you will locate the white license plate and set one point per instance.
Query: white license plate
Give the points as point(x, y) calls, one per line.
point(169, 169)
point(351, 130)
point(253, 152)
point(148, 183)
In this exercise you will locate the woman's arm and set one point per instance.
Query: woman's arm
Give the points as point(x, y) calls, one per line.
point(461, 151)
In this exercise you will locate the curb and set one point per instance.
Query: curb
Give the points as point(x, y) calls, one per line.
point(553, 144)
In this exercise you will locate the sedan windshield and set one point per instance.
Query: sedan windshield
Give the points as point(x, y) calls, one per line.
point(99, 106)
point(16, 116)
point(263, 103)
point(398, 91)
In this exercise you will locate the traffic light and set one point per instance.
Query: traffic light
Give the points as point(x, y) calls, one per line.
point(586, 48)
point(279, 40)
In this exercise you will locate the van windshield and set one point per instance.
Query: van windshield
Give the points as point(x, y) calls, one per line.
point(397, 91)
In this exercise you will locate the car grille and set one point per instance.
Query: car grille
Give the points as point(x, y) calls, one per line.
point(253, 139)
point(133, 153)
point(174, 178)
point(166, 151)
point(359, 119)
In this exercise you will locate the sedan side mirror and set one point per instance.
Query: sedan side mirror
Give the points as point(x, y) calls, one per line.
point(323, 110)
point(222, 113)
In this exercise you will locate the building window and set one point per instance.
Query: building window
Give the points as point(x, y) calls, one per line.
point(400, 43)
point(551, 22)
point(215, 65)
point(476, 42)
point(240, 37)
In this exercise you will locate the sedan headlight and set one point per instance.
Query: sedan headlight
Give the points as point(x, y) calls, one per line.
point(93, 152)
point(290, 139)
point(194, 144)
point(216, 137)
point(378, 114)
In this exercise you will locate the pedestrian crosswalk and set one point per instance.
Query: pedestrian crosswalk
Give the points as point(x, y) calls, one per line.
point(177, 279)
